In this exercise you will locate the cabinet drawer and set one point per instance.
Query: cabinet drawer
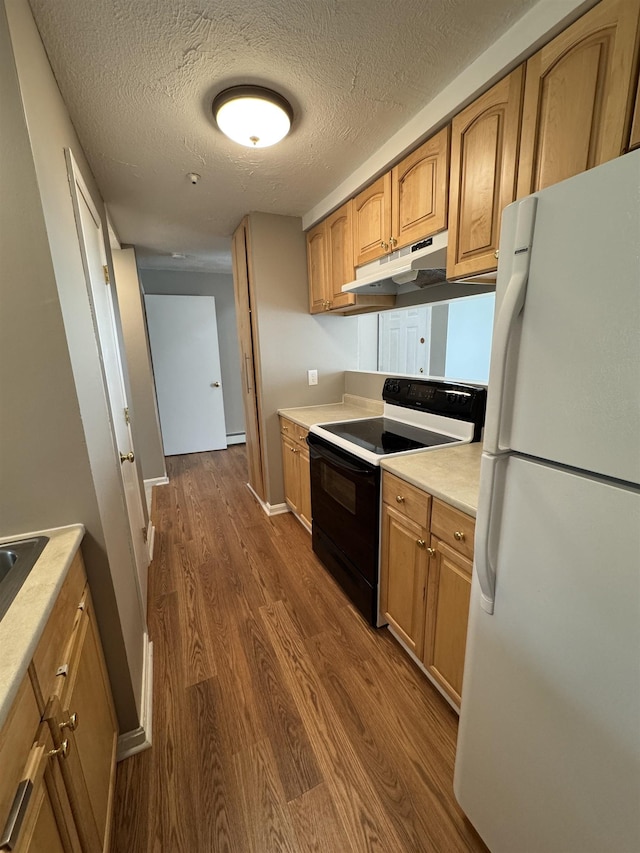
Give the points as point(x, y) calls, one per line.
point(293, 431)
point(52, 647)
point(16, 737)
point(406, 499)
point(453, 527)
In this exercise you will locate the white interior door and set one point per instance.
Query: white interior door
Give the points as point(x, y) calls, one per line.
point(403, 338)
point(183, 335)
point(94, 259)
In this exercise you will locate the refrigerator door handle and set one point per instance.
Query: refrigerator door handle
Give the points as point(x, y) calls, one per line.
point(512, 305)
point(488, 516)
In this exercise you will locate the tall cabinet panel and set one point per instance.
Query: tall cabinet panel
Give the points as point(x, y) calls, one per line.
point(579, 96)
point(372, 221)
point(484, 153)
point(249, 353)
point(340, 255)
point(319, 296)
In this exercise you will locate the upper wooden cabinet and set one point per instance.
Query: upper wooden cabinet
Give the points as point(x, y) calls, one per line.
point(330, 265)
point(339, 255)
point(405, 204)
point(317, 269)
point(484, 154)
point(372, 221)
point(578, 96)
point(419, 192)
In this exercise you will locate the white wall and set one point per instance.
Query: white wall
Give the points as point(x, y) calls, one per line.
point(87, 480)
point(292, 341)
point(173, 282)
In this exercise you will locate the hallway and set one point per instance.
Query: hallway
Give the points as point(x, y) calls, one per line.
point(282, 722)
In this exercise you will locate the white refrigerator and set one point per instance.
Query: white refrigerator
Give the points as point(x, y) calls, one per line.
point(548, 757)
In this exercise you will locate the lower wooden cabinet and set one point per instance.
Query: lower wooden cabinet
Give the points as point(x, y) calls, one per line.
point(295, 470)
point(425, 579)
point(59, 740)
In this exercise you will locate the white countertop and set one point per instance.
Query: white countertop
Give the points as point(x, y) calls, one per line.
point(350, 409)
point(449, 473)
point(23, 623)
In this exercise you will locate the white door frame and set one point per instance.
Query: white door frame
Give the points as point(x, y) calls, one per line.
point(101, 298)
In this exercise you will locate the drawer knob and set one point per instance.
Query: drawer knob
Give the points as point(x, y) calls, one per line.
point(431, 552)
point(400, 499)
point(71, 723)
point(458, 536)
point(62, 750)
point(420, 543)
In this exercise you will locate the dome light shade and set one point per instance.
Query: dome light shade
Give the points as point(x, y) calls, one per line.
point(252, 115)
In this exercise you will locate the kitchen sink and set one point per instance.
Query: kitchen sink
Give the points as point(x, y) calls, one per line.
point(16, 561)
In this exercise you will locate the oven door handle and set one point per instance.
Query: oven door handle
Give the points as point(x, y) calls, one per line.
point(324, 453)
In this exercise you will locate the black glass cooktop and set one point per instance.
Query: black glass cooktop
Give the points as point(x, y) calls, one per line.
point(385, 435)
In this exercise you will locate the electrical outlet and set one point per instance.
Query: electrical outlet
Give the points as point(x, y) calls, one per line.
point(312, 376)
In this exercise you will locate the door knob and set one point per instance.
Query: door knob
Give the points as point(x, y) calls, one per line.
point(215, 384)
point(126, 457)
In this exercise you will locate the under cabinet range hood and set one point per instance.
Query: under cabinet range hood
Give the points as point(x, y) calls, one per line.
point(419, 271)
point(412, 267)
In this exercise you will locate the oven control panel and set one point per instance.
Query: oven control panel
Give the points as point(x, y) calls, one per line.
point(450, 399)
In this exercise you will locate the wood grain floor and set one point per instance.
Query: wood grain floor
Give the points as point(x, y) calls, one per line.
point(282, 722)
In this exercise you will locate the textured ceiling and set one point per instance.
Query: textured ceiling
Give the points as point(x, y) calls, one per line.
point(139, 76)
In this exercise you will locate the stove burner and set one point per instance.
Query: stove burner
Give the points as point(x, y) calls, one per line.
point(386, 435)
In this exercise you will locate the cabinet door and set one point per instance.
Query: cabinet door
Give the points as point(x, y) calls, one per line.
point(82, 712)
point(340, 255)
point(372, 221)
point(578, 96)
point(403, 575)
point(484, 147)
point(41, 819)
point(248, 357)
point(420, 188)
point(319, 294)
point(448, 596)
point(304, 508)
point(290, 472)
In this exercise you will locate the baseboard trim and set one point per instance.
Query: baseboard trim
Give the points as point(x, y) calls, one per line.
point(238, 438)
point(151, 538)
point(270, 509)
point(130, 743)
point(148, 488)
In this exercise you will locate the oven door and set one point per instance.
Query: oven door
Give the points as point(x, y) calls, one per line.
point(345, 497)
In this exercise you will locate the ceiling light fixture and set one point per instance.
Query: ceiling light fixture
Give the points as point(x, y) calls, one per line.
point(252, 115)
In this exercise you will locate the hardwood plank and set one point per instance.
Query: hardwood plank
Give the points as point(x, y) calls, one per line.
point(355, 796)
point(132, 804)
point(263, 799)
point(219, 817)
point(294, 757)
point(317, 824)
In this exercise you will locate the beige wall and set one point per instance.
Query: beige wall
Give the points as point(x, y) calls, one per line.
point(77, 478)
point(292, 340)
point(142, 397)
point(188, 283)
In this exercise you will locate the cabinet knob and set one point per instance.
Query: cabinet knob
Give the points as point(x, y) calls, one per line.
point(400, 499)
point(62, 750)
point(71, 723)
point(393, 242)
point(496, 254)
point(420, 543)
point(458, 536)
point(431, 552)
point(384, 246)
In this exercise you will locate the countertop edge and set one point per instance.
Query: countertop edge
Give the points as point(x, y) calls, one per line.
point(24, 622)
